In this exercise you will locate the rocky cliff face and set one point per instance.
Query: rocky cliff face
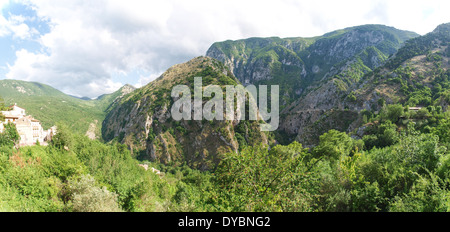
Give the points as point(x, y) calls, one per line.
point(143, 121)
point(316, 75)
point(255, 59)
point(252, 60)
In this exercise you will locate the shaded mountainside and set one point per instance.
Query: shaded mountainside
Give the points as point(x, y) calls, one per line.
point(417, 75)
point(51, 106)
point(143, 121)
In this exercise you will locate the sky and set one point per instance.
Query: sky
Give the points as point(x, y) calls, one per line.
point(93, 47)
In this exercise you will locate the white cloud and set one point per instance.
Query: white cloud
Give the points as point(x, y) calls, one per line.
point(48, 69)
point(415, 15)
point(15, 25)
point(3, 3)
point(3, 27)
point(19, 29)
point(143, 80)
point(90, 40)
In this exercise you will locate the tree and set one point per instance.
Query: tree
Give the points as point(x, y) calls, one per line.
point(2, 107)
point(423, 113)
point(387, 134)
point(443, 130)
point(87, 197)
point(392, 113)
point(427, 195)
point(63, 138)
point(2, 104)
point(334, 145)
point(10, 137)
point(257, 179)
point(382, 136)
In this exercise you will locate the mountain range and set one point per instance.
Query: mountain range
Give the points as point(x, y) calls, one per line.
point(327, 81)
point(333, 81)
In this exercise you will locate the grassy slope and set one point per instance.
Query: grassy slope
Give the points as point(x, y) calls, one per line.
point(51, 106)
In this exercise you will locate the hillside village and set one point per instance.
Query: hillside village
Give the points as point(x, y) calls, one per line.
point(29, 128)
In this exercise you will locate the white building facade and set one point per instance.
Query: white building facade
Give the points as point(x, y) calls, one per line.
point(29, 128)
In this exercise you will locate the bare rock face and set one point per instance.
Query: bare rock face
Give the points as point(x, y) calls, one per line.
point(91, 131)
point(126, 89)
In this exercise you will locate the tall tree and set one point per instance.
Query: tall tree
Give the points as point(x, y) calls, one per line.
point(2, 107)
point(2, 103)
point(10, 136)
point(257, 179)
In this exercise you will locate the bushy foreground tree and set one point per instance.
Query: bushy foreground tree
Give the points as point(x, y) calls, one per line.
point(259, 179)
point(88, 197)
point(10, 137)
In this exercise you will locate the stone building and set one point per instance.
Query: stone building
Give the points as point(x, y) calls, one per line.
point(29, 128)
point(14, 114)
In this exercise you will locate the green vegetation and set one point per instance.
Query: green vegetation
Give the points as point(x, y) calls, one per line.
point(10, 136)
point(51, 106)
point(86, 175)
point(419, 46)
point(282, 179)
point(396, 167)
point(2, 104)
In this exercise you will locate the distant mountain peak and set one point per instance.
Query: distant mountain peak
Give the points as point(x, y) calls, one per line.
point(443, 28)
point(126, 89)
point(128, 85)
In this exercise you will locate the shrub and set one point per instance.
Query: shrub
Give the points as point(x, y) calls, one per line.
point(87, 197)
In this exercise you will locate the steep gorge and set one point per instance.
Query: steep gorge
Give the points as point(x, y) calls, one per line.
point(143, 121)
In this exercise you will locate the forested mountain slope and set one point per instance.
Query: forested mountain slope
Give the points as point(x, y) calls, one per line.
point(51, 106)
